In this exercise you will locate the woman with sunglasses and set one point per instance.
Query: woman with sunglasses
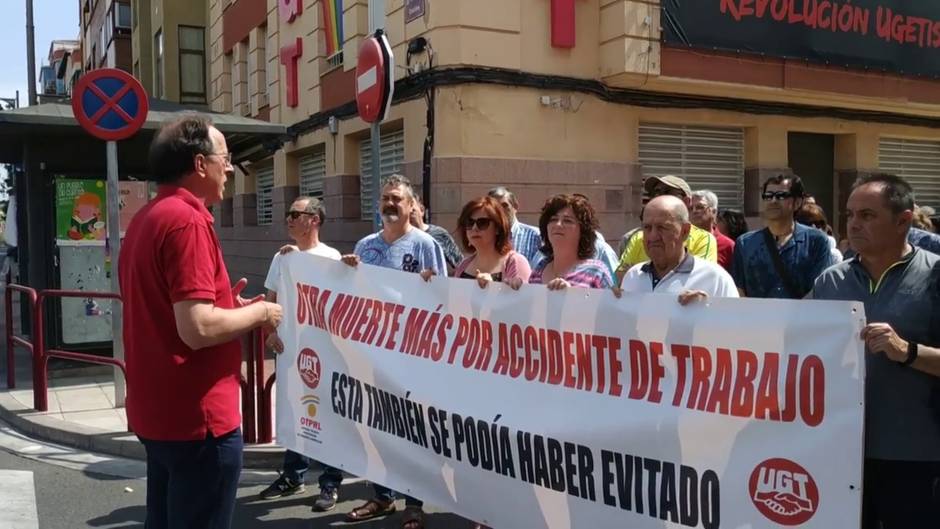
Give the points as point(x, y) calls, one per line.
point(484, 230)
point(569, 230)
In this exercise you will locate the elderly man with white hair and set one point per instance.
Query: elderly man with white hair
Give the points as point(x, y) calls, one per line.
point(671, 268)
point(704, 210)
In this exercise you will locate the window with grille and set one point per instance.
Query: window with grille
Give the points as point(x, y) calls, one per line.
point(918, 162)
point(391, 158)
point(264, 189)
point(312, 172)
point(706, 157)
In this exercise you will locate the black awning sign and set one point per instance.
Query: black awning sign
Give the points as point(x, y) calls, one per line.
point(890, 35)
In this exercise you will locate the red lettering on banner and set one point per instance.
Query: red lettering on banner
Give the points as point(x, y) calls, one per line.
point(639, 370)
point(742, 397)
point(290, 53)
point(721, 389)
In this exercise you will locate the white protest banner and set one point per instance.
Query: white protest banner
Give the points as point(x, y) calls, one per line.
point(531, 409)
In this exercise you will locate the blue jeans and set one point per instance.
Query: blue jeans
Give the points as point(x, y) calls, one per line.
point(296, 465)
point(192, 484)
point(388, 495)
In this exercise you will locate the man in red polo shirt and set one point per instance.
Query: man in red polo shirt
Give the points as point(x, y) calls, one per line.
point(704, 213)
point(181, 319)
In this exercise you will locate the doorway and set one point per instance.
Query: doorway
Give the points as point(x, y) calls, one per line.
point(811, 156)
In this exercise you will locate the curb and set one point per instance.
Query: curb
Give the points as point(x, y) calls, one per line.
point(30, 422)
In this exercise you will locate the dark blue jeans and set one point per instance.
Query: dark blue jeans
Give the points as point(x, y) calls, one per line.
point(296, 465)
point(192, 484)
point(386, 494)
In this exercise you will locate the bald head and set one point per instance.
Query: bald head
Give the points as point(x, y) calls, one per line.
point(671, 206)
point(665, 228)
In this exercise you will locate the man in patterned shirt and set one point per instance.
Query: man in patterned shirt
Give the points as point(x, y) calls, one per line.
point(399, 246)
point(524, 237)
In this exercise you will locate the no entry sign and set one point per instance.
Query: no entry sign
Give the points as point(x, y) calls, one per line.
point(110, 104)
point(375, 78)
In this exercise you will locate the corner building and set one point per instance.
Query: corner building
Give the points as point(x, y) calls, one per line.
point(587, 96)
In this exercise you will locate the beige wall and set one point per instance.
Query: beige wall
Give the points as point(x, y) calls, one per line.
point(167, 16)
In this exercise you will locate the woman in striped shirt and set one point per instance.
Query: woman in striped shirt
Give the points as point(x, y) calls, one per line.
point(569, 230)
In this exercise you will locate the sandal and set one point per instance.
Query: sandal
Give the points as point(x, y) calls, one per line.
point(413, 518)
point(369, 510)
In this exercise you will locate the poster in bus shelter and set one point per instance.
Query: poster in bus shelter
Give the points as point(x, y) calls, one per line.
point(81, 212)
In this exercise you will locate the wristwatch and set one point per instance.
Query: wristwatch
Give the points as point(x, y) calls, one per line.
point(911, 354)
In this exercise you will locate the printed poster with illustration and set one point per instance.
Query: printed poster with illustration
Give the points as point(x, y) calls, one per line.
point(81, 211)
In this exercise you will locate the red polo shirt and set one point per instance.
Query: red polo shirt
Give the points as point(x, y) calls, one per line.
point(725, 249)
point(171, 254)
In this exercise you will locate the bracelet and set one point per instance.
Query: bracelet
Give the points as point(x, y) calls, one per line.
point(912, 350)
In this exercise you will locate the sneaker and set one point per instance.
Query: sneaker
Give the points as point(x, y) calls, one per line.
point(326, 501)
point(282, 486)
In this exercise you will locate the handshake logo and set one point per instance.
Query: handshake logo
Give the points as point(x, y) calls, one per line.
point(784, 492)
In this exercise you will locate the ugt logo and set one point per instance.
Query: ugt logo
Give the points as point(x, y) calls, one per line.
point(784, 492)
point(308, 365)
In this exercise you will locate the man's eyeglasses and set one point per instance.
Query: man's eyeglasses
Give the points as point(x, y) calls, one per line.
point(481, 223)
point(294, 215)
point(227, 156)
point(776, 196)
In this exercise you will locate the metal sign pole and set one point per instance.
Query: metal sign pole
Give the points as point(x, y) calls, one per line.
point(376, 21)
point(114, 246)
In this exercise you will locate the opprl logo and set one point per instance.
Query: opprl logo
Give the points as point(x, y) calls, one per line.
point(310, 404)
point(308, 365)
point(784, 492)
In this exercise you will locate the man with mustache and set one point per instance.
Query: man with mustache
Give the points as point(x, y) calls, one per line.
point(783, 259)
point(399, 246)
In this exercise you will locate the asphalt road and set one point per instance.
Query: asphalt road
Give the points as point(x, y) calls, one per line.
point(82, 495)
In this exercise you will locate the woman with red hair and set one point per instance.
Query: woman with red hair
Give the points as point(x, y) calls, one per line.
point(484, 232)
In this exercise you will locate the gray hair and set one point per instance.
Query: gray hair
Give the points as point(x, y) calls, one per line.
point(500, 192)
point(314, 205)
point(396, 180)
point(710, 198)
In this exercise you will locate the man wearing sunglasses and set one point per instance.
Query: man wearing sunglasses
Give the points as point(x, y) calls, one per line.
point(304, 220)
point(783, 259)
point(399, 246)
point(699, 243)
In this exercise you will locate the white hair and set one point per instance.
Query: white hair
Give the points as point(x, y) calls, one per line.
point(710, 198)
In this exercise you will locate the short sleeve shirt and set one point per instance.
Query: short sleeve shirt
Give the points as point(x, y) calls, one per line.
point(589, 273)
point(412, 252)
point(274, 271)
point(452, 254)
point(804, 256)
point(700, 243)
point(902, 404)
point(171, 254)
point(527, 241)
point(692, 273)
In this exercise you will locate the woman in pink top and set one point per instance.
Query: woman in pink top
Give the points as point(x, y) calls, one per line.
point(484, 231)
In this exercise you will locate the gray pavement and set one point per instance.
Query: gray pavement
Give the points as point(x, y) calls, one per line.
point(75, 489)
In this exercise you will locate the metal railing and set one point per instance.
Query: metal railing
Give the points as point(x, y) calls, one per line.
point(257, 409)
point(12, 340)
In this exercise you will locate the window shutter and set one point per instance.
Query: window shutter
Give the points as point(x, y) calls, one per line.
point(918, 162)
point(706, 157)
point(392, 156)
point(312, 173)
point(264, 188)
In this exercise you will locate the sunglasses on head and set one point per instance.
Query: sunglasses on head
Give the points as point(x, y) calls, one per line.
point(777, 196)
point(294, 215)
point(481, 223)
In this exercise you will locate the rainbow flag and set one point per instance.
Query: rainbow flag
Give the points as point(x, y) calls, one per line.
point(333, 24)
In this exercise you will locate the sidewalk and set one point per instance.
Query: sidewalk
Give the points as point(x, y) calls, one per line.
point(82, 413)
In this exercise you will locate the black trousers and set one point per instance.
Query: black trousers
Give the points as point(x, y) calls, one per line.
point(901, 495)
point(192, 484)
